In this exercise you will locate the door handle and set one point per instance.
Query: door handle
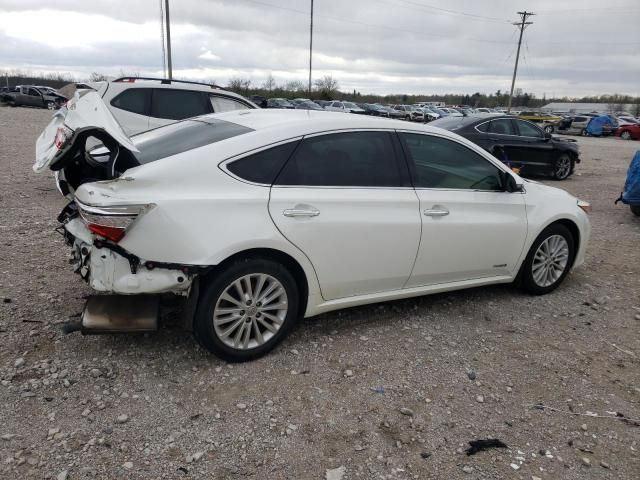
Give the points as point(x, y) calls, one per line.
point(436, 212)
point(301, 212)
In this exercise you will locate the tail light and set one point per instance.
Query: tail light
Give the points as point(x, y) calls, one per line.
point(111, 222)
point(63, 134)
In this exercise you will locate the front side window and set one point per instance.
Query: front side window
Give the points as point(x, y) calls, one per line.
point(529, 130)
point(224, 104)
point(503, 126)
point(33, 92)
point(442, 163)
point(134, 100)
point(178, 104)
point(353, 159)
point(262, 167)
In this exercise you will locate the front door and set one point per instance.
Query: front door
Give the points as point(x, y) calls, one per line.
point(345, 201)
point(471, 228)
point(535, 150)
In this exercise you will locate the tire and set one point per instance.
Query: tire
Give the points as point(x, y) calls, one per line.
point(626, 135)
point(584, 133)
point(563, 166)
point(50, 105)
point(549, 129)
point(248, 336)
point(532, 273)
point(635, 209)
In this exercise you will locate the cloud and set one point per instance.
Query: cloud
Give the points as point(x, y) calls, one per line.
point(209, 55)
point(575, 47)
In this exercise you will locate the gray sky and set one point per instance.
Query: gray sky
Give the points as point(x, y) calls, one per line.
point(575, 47)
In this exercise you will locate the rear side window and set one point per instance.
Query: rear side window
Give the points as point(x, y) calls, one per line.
point(503, 126)
point(178, 104)
point(134, 100)
point(223, 104)
point(262, 167)
point(183, 136)
point(483, 127)
point(353, 159)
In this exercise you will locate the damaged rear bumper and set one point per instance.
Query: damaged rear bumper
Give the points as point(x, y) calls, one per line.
point(108, 268)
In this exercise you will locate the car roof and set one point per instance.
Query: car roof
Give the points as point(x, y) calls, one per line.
point(292, 123)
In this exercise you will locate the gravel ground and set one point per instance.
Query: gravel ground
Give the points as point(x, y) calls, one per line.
point(393, 391)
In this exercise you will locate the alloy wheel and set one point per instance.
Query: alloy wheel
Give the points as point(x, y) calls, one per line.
point(250, 311)
point(550, 260)
point(625, 135)
point(563, 167)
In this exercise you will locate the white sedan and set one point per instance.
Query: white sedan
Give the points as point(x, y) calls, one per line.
point(260, 217)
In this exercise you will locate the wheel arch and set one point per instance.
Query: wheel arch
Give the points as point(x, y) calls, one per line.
point(279, 256)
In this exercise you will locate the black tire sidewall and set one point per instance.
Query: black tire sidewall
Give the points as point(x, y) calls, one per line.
point(526, 273)
point(214, 286)
point(635, 209)
point(555, 167)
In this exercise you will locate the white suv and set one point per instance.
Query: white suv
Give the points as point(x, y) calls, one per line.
point(142, 103)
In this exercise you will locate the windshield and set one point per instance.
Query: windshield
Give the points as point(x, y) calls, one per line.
point(183, 136)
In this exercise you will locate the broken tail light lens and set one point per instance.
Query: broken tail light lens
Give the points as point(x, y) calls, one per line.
point(111, 222)
point(63, 134)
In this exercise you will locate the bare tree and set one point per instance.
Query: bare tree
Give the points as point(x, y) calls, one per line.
point(97, 77)
point(294, 86)
point(239, 85)
point(327, 86)
point(270, 83)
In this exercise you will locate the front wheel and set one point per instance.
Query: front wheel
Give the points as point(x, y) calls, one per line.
point(562, 167)
point(549, 260)
point(246, 309)
point(549, 129)
point(50, 106)
point(626, 135)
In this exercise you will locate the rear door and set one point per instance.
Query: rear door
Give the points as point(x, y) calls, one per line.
point(345, 200)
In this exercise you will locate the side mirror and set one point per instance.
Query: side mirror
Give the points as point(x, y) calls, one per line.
point(509, 182)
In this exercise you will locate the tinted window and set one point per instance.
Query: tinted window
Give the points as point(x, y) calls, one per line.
point(502, 126)
point(183, 136)
point(483, 127)
point(133, 100)
point(262, 167)
point(529, 130)
point(224, 104)
point(33, 92)
point(178, 104)
point(443, 163)
point(364, 159)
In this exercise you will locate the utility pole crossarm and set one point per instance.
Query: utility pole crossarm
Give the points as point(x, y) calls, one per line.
point(522, 24)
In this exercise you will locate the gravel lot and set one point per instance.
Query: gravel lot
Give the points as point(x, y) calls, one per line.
point(386, 391)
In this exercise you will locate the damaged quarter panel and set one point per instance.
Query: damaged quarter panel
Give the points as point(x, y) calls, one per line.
point(200, 219)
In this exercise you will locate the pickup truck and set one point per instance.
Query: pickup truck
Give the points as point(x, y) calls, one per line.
point(31, 96)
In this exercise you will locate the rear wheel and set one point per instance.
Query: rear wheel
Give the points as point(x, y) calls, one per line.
point(548, 261)
point(626, 135)
point(549, 129)
point(562, 167)
point(246, 309)
point(635, 209)
point(584, 133)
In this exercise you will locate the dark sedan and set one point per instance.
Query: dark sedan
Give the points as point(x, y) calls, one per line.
point(520, 144)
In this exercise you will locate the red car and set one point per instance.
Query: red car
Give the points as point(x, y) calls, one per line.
point(629, 132)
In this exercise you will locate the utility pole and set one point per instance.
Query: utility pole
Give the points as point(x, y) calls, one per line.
point(522, 24)
point(310, 47)
point(169, 70)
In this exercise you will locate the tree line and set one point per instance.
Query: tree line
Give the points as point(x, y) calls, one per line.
point(328, 88)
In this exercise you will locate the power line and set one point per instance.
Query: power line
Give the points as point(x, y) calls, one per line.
point(424, 6)
point(522, 24)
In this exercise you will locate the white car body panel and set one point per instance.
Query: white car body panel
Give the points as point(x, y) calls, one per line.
point(363, 240)
point(361, 248)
